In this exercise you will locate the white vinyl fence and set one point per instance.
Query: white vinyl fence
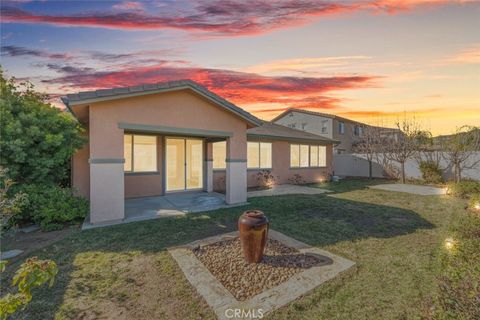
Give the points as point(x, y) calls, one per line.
point(355, 165)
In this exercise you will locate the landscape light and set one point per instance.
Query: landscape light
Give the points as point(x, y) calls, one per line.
point(476, 206)
point(449, 243)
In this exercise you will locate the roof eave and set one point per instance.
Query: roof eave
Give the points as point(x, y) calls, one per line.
point(295, 139)
point(251, 119)
point(66, 102)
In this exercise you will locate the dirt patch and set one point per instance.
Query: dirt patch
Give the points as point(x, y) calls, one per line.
point(135, 286)
point(34, 240)
point(224, 259)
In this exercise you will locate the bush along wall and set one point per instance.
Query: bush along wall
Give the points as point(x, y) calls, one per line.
point(50, 206)
point(431, 172)
point(38, 141)
point(464, 189)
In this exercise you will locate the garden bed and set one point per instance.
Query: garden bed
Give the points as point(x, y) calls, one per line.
point(224, 259)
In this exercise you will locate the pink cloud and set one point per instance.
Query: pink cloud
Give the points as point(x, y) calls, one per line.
point(129, 6)
point(227, 17)
point(239, 87)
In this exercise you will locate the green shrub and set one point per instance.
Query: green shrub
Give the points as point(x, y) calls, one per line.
point(51, 206)
point(459, 281)
point(431, 172)
point(38, 139)
point(464, 189)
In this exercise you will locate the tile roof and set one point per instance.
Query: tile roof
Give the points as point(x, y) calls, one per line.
point(275, 131)
point(118, 93)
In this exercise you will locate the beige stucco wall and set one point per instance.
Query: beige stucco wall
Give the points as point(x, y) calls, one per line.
point(107, 192)
point(308, 122)
point(149, 184)
point(348, 138)
point(81, 172)
point(281, 167)
point(182, 109)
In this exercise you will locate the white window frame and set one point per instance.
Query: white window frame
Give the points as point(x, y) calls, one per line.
point(224, 163)
point(132, 152)
point(260, 156)
point(319, 147)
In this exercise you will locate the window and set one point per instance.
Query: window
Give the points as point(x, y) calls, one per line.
point(314, 156)
point(140, 153)
point(304, 125)
point(292, 125)
point(299, 155)
point(127, 151)
point(294, 155)
point(265, 155)
point(219, 155)
point(322, 155)
point(341, 127)
point(324, 126)
point(358, 130)
point(259, 155)
point(303, 156)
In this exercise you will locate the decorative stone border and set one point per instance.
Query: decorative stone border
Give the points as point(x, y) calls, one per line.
point(222, 301)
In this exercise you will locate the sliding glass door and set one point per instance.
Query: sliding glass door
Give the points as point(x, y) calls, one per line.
point(184, 164)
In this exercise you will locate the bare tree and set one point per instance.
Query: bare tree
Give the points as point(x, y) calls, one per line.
point(459, 147)
point(368, 145)
point(405, 146)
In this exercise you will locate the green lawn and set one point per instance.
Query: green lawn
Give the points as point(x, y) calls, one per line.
point(126, 272)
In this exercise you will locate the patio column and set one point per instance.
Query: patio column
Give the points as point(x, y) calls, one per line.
point(106, 170)
point(236, 173)
point(209, 166)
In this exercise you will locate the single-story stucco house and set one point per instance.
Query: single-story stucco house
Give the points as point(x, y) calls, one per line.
point(177, 136)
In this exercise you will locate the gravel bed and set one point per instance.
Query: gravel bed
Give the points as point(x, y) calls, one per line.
point(224, 259)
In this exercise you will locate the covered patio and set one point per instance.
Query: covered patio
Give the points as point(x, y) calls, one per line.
point(175, 204)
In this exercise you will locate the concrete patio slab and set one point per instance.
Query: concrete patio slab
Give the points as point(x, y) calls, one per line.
point(284, 189)
point(222, 301)
point(411, 188)
point(177, 204)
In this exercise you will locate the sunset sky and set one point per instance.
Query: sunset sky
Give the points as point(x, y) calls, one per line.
point(370, 60)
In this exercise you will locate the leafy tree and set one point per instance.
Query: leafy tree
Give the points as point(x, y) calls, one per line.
point(36, 139)
point(9, 206)
point(32, 273)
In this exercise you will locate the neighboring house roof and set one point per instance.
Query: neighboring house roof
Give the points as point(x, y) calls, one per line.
point(118, 93)
point(276, 131)
point(315, 113)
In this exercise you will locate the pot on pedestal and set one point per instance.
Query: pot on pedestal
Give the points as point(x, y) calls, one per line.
point(253, 229)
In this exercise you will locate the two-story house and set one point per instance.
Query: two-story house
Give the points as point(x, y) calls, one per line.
point(330, 126)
